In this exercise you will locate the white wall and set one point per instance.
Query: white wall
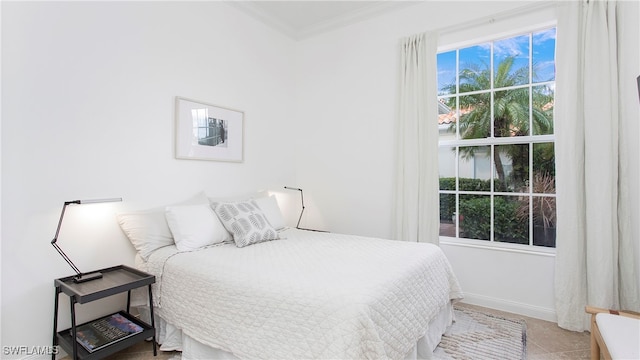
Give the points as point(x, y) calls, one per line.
point(88, 112)
point(345, 159)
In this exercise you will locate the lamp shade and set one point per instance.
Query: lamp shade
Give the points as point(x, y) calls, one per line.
point(94, 201)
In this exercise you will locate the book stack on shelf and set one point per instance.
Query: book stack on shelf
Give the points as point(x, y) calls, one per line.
point(105, 331)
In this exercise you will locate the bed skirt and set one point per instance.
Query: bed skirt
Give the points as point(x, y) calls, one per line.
point(171, 338)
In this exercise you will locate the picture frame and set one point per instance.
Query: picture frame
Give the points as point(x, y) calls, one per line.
point(208, 132)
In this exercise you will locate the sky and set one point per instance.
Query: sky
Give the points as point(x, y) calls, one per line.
point(542, 56)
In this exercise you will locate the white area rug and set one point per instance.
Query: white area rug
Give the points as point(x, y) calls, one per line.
point(476, 335)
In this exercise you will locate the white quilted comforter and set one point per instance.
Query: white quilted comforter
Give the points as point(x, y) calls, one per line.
point(308, 295)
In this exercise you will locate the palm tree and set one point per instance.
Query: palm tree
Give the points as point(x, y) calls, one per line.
point(510, 112)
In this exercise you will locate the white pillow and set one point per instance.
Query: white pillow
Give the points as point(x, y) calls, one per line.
point(246, 221)
point(270, 208)
point(148, 229)
point(195, 226)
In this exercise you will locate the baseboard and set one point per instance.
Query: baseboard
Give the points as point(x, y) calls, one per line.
point(533, 311)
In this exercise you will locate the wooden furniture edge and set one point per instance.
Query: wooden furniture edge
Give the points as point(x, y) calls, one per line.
point(597, 343)
point(596, 310)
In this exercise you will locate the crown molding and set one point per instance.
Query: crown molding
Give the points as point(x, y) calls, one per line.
point(259, 14)
point(365, 13)
point(373, 9)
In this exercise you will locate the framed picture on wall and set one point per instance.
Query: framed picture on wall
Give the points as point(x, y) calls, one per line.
point(208, 132)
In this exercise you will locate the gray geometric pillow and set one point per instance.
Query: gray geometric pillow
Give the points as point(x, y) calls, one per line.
point(245, 221)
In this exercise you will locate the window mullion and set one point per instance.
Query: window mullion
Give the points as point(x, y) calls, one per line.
point(457, 222)
point(500, 141)
point(491, 196)
point(457, 138)
point(531, 183)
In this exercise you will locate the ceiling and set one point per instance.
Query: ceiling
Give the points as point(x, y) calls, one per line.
point(302, 19)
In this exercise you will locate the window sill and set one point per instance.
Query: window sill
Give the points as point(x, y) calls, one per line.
point(499, 246)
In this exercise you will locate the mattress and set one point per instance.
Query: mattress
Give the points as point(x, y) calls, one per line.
point(307, 295)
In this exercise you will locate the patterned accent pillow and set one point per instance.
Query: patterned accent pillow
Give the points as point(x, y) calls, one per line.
point(246, 222)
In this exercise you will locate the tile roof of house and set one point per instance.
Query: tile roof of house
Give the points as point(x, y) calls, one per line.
point(447, 115)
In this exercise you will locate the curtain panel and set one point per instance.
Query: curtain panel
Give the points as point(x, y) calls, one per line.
point(594, 259)
point(416, 210)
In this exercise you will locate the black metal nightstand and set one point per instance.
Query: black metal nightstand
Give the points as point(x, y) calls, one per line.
point(115, 280)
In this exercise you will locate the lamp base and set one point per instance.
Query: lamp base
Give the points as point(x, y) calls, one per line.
point(87, 277)
point(299, 228)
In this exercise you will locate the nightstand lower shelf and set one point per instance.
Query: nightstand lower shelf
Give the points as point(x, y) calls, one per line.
point(65, 340)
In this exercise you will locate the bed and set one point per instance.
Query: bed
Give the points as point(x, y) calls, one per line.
point(303, 294)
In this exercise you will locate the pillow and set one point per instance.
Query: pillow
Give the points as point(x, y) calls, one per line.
point(246, 221)
point(195, 226)
point(270, 208)
point(148, 229)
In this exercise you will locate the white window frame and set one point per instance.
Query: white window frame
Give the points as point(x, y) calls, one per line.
point(498, 27)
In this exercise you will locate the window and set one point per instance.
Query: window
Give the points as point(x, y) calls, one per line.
point(496, 140)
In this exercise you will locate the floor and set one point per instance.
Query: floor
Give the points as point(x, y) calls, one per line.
point(545, 341)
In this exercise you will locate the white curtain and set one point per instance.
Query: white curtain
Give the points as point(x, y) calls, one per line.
point(594, 260)
point(416, 209)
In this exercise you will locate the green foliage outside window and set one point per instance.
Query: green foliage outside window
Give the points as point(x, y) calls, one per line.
point(476, 220)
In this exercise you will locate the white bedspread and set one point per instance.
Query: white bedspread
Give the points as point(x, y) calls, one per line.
point(308, 295)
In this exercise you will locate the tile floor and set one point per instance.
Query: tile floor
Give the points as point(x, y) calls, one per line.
point(545, 341)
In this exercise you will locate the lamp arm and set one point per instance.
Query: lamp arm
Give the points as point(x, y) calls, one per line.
point(300, 218)
point(55, 239)
point(302, 199)
point(64, 208)
point(301, 212)
point(66, 258)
